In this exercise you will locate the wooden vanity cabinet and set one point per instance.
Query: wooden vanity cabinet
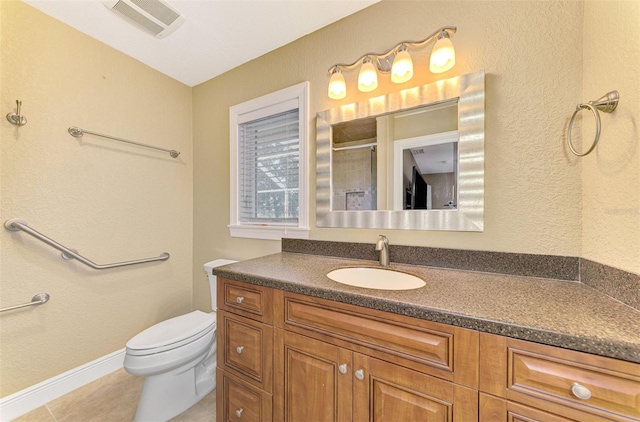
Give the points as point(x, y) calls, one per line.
point(289, 357)
point(310, 359)
point(565, 383)
point(244, 375)
point(322, 382)
point(373, 365)
point(444, 351)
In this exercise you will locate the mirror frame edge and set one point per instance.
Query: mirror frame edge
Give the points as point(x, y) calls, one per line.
point(469, 89)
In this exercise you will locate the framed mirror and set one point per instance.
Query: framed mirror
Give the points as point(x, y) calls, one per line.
point(408, 160)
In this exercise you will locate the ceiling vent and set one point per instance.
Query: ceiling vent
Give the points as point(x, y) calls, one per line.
point(154, 16)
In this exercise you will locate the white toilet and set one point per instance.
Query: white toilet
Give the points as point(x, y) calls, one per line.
point(178, 357)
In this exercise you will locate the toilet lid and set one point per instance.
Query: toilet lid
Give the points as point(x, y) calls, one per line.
point(173, 330)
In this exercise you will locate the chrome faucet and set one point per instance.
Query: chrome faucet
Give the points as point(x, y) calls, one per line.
point(383, 247)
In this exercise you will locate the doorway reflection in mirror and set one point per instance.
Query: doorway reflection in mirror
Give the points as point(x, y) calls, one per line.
point(430, 176)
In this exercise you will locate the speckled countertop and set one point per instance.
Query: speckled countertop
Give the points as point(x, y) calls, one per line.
point(560, 313)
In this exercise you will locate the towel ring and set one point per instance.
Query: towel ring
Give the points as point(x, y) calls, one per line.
point(606, 104)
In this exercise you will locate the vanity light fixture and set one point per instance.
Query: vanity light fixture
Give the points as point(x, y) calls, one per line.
point(368, 77)
point(337, 85)
point(397, 61)
point(402, 69)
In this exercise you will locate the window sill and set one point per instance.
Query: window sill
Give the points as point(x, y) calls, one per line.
point(268, 232)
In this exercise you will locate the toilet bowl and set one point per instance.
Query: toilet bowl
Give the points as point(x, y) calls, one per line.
point(178, 359)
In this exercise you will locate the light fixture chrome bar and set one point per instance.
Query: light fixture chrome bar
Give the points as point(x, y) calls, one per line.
point(17, 224)
point(383, 64)
point(38, 299)
point(372, 144)
point(77, 132)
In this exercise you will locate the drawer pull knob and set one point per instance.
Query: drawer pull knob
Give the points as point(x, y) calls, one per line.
point(580, 391)
point(240, 299)
point(239, 349)
point(360, 374)
point(343, 368)
point(239, 412)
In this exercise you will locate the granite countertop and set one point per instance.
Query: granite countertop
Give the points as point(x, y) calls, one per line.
point(560, 313)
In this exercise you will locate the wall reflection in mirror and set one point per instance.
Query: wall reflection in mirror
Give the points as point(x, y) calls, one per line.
point(411, 160)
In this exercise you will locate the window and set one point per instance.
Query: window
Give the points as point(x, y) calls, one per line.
point(269, 165)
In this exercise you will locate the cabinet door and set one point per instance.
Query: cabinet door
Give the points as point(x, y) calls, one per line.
point(387, 392)
point(316, 380)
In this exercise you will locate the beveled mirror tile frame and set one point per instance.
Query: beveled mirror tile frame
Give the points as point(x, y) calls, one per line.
point(469, 216)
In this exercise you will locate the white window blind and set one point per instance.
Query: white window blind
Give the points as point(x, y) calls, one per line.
point(269, 185)
point(269, 157)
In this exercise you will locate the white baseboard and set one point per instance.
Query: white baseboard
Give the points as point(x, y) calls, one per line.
point(31, 398)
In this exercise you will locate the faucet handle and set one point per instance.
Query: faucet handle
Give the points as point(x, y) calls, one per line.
point(382, 245)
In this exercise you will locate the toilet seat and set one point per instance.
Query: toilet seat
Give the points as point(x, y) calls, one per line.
point(172, 333)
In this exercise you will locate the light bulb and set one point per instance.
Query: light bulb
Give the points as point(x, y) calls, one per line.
point(368, 77)
point(443, 56)
point(402, 69)
point(337, 86)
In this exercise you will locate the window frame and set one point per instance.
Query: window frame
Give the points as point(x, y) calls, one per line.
point(257, 108)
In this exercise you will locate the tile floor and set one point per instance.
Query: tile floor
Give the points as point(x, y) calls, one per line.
point(112, 398)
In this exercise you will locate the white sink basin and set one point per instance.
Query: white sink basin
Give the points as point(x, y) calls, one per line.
point(376, 278)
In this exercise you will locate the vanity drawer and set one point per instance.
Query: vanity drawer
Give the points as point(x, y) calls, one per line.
point(536, 374)
point(436, 349)
point(246, 350)
point(494, 409)
point(245, 299)
point(241, 402)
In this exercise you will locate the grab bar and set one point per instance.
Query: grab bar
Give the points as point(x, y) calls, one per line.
point(38, 299)
point(77, 132)
point(17, 224)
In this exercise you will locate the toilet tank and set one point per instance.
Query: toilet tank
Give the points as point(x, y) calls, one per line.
point(208, 267)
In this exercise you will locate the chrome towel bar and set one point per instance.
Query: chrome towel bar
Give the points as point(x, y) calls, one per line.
point(38, 299)
point(17, 224)
point(77, 132)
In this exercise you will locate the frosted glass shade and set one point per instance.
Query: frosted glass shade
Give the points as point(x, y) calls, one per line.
point(402, 69)
point(443, 56)
point(368, 77)
point(337, 86)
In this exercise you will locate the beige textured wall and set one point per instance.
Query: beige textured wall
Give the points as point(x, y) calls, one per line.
point(611, 174)
point(111, 201)
point(532, 53)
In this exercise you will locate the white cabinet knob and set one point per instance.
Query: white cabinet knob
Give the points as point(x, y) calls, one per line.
point(343, 368)
point(239, 299)
point(580, 391)
point(239, 349)
point(239, 412)
point(360, 374)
